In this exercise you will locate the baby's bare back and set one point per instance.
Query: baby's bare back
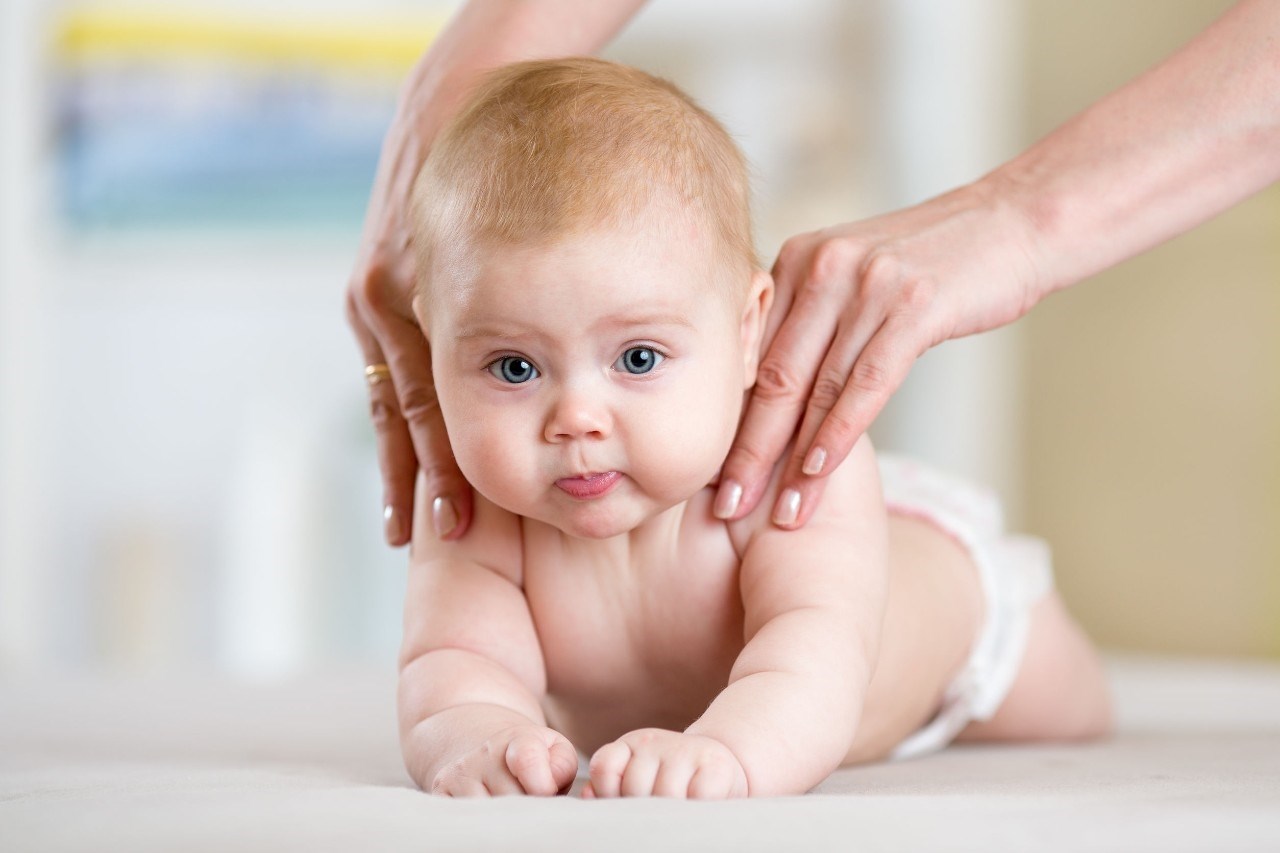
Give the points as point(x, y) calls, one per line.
point(651, 643)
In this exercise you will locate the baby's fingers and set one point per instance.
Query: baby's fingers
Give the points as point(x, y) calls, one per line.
point(564, 765)
point(530, 762)
point(607, 768)
point(716, 782)
point(458, 780)
point(673, 778)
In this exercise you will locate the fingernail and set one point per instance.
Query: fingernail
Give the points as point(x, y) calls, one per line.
point(787, 510)
point(817, 458)
point(443, 516)
point(391, 523)
point(727, 499)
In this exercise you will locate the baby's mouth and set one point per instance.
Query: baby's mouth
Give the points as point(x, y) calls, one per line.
point(589, 486)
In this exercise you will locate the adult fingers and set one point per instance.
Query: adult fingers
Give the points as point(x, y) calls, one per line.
point(878, 371)
point(784, 379)
point(857, 379)
point(396, 457)
point(886, 325)
point(409, 358)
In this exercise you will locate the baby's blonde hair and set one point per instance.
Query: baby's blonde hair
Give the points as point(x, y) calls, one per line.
point(547, 149)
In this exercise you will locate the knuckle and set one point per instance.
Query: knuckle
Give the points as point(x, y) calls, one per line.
point(384, 414)
point(644, 737)
point(881, 269)
point(369, 286)
point(831, 262)
point(526, 758)
point(775, 381)
point(916, 296)
point(418, 404)
point(749, 456)
point(440, 476)
point(838, 429)
point(827, 389)
point(790, 256)
point(869, 376)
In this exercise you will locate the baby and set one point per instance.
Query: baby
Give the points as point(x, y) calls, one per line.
point(595, 311)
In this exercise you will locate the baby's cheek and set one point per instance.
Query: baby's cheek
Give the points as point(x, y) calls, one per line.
point(489, 462)
point(691, 447)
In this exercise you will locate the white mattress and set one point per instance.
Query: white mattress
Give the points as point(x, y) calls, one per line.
point(92, 764)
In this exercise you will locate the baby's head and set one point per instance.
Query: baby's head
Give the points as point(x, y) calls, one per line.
point(589, 290)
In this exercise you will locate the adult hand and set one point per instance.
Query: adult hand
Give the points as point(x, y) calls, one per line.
point(410, 430)
point(406, 416)
point(856, 304)
point(859, 303)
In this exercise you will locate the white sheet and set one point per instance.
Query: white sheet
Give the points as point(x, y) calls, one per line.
point(165, 764)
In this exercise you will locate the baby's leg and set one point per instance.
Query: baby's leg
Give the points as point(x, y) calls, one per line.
point(1060, 692)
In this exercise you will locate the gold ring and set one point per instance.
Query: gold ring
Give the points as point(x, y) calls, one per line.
point(375, 373)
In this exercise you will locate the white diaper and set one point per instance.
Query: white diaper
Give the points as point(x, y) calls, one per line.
point(1015, 573)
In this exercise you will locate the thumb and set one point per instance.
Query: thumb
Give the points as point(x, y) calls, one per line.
point(564, 764)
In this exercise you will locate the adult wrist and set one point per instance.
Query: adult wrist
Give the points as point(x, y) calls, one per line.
point(1030, 213)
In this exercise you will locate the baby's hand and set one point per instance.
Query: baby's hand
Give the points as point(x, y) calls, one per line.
point(519, 760)
point(661, 763)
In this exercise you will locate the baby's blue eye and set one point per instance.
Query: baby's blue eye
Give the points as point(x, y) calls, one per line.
point(513, 369)
point(638, 360)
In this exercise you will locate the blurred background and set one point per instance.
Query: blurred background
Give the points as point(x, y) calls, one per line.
point(187, 471)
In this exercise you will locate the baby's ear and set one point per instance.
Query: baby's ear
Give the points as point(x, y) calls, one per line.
point(754, 317)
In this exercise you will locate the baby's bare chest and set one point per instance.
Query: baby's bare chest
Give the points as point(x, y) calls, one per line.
point(648, 646)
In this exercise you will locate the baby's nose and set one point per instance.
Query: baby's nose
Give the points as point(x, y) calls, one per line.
point(578, 415)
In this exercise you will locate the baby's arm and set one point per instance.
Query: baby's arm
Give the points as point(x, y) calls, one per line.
point(814, 602)
point(471, 669)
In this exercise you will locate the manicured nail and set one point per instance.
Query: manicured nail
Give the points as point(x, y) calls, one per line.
point(787, 510)
point(443, 516)
point(391, 523)
point(727, 499)
point(817, 458)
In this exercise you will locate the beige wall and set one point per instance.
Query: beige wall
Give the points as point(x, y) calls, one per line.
point(1153, 426)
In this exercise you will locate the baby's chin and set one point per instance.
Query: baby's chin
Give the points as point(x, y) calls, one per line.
point(611, 516)
point(599, 519)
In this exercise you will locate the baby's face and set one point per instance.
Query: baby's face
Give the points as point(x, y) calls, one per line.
point(595, 382)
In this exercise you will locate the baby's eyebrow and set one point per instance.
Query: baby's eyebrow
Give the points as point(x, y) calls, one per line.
point(664, 318)
point(620, 320)
point(473, 332)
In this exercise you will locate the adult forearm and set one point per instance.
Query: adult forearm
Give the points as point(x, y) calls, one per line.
point(1175, 147)
point(488, 33)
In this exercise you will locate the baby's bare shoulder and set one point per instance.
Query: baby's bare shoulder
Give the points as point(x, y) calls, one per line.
point(494, 539)
point(852, 491)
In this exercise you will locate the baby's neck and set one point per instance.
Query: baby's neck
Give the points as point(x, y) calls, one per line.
point(630, 551)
